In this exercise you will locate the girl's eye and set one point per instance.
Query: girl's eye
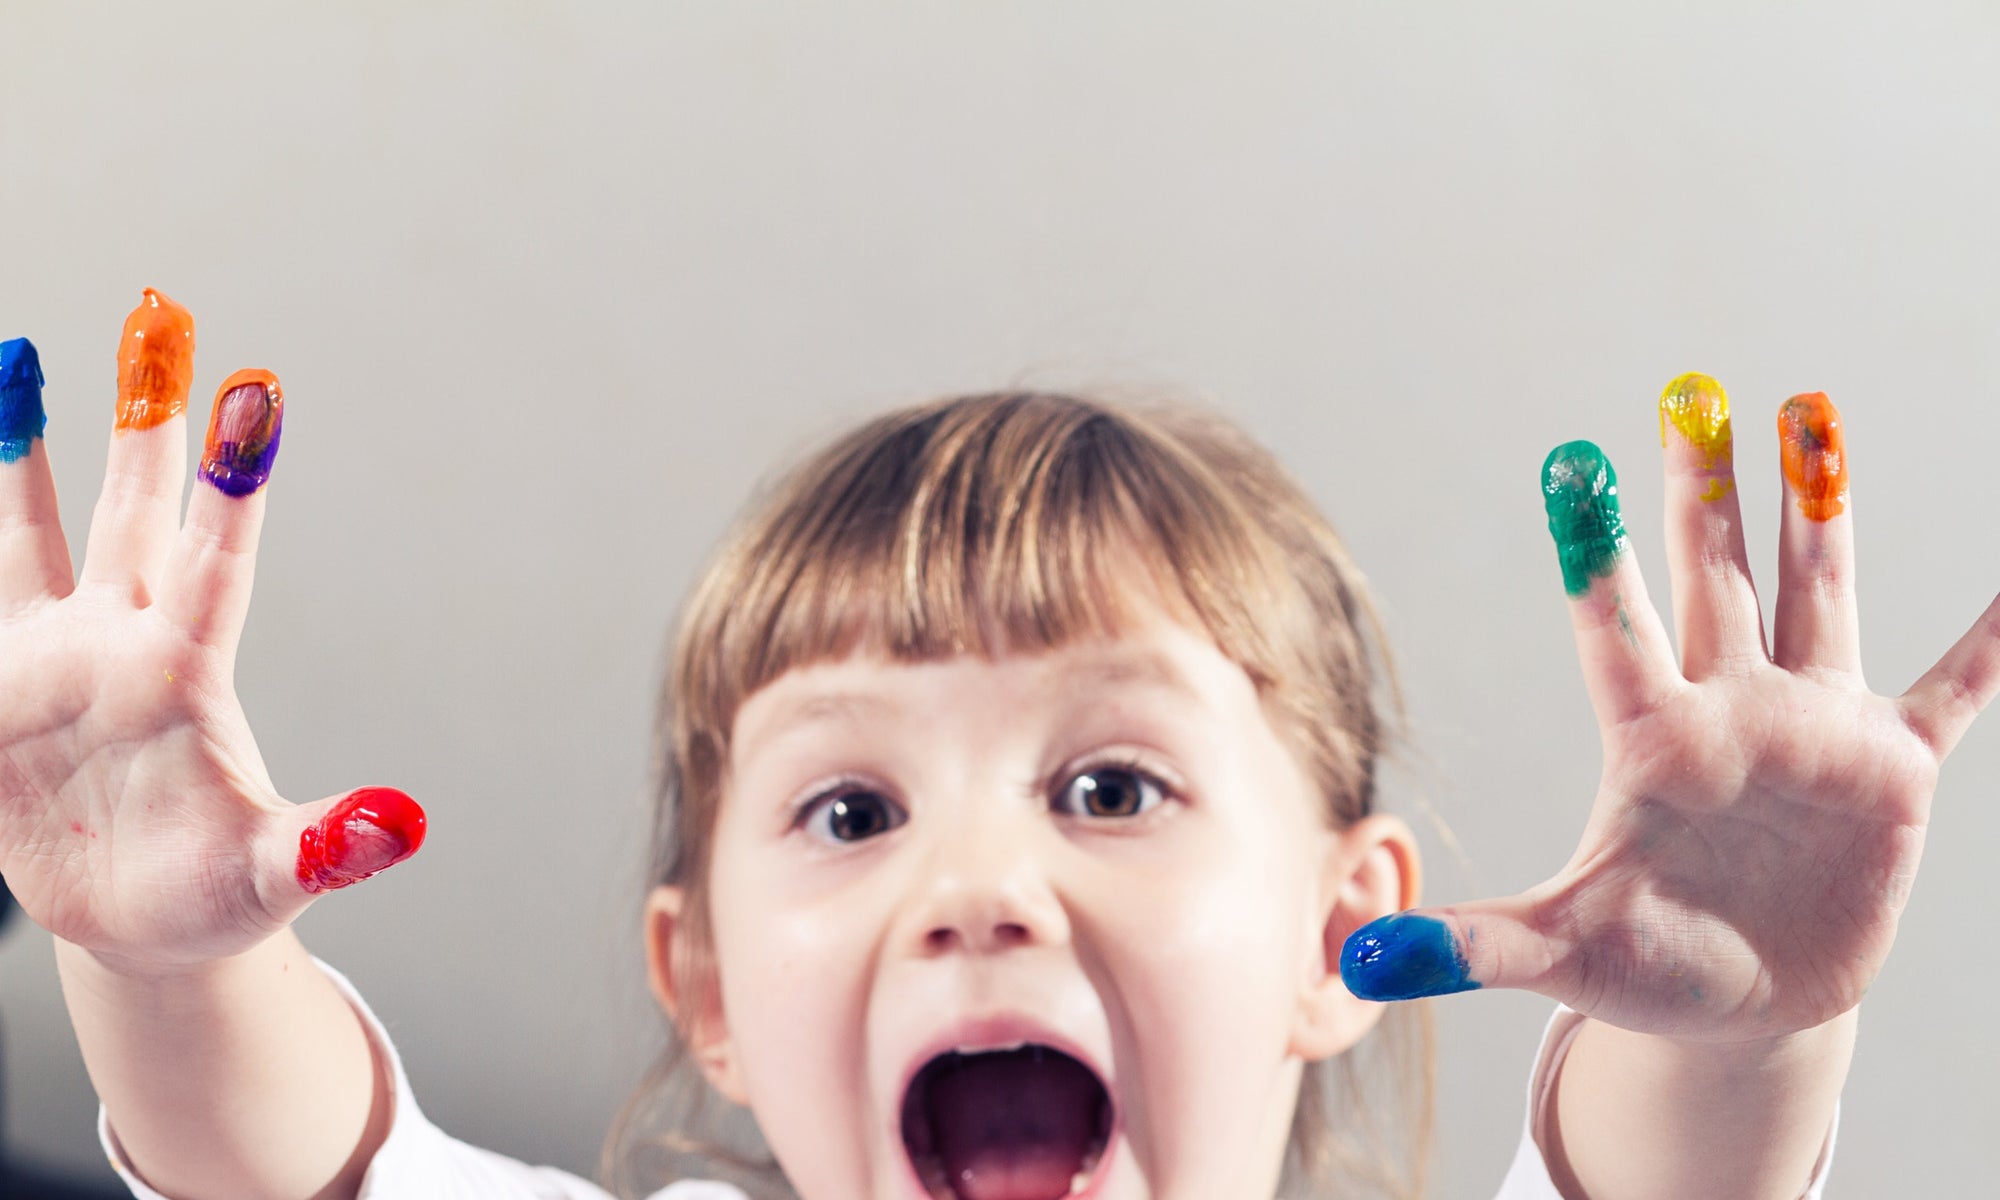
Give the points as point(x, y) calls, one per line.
point(852, 816)
point(1110, 792)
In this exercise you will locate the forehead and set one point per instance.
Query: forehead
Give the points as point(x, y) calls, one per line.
point(1159, 661)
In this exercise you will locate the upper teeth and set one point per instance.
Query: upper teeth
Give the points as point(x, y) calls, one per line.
point(1001, 1049)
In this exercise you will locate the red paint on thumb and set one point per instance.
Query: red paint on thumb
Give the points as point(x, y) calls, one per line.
point(369, 830)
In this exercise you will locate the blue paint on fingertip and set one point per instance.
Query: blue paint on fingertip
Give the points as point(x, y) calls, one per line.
point(21, 416)
point(1404, 957)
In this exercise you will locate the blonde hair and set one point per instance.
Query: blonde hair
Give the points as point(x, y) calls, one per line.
point(1001, 523)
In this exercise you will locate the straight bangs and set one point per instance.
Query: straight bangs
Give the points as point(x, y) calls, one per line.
point(988, 525)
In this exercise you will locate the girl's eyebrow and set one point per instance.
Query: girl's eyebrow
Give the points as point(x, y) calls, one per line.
point(824, 708)
point(1129, 671)
point(1107, 672)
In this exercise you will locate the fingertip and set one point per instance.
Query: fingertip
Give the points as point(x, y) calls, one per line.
point(1404, 956)
point(1696, 405)
point(1813, 452)
point(1580, 495)
point(362, 834)
point(155, 363)
point(22, 417)
point(243, 432)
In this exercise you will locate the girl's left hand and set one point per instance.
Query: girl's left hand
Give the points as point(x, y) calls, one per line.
point(1761, 814)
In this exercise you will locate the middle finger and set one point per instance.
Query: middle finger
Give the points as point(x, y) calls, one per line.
point(1716, 616)
point(138, 512)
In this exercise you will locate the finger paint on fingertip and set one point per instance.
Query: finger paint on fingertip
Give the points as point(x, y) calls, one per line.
point(1814, 453)
point(368, 831)
point(155, 363)
point(1696, 405)
point(22, 417)
point(243, 432)
point(1580, 492)
point(1404, 957)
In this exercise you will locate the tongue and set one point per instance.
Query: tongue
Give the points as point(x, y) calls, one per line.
point(1014, 1126)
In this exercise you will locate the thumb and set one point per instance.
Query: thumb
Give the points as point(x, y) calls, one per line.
point(1437, 951)
point(345, 839)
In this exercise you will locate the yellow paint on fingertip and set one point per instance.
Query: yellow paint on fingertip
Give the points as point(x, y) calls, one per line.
point(1696, 405)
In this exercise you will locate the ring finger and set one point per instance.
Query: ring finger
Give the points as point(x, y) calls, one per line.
point(1817, 624)
point(34, 559)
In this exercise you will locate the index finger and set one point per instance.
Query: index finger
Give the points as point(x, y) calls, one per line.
point(1627, 660)
point(207, 585)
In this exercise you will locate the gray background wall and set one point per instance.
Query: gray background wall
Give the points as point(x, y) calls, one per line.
point(550, 285)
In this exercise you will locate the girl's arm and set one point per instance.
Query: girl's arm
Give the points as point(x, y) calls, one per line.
point(246, 1076)
point(137, 821)
point(1755, 836)
point(1643, 1117)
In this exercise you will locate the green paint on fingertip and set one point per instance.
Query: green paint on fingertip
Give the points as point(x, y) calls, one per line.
point(1580, 492)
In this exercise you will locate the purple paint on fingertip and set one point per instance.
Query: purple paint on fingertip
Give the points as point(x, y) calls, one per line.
point(243, 433)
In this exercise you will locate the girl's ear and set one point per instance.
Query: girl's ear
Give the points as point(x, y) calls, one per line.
point(1371, 870)
point(693, 1005)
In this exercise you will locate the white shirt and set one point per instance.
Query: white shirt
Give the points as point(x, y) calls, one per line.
point(419, 1161)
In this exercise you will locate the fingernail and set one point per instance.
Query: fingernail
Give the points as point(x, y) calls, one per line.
point(1580, 492)
point(21, 416)
point(370, 830)
point(155, 362)
point(1696, 405)
point(1814, 452)
point(243, 432)
point(1404, 957)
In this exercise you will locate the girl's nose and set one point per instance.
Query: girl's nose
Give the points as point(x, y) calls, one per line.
point(986, 894)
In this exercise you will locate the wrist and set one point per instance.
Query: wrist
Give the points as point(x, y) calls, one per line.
point(103, 972)
point(1793, 1051)
point(1645, 1115)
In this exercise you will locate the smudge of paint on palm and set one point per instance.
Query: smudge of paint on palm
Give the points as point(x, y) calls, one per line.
point(1696, 405)
point(22, 417)
point(1404, 957)
point(370, 830)
point(1580, 492)
point(155, 363)
point(243, 432)
point(1814, 452)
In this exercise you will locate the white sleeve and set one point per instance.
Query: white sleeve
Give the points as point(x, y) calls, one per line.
point(419, 1161)
point(1528, 1178)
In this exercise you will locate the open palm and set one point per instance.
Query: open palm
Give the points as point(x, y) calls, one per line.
point(1761, 815)
point(136, 817)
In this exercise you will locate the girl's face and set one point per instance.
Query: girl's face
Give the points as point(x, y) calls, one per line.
point(995, 929)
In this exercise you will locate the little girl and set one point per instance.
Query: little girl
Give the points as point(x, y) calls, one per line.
point(1017, 829)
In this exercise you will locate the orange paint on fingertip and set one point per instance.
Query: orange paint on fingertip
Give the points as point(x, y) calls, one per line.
point(155, 363)
point(1814, 453)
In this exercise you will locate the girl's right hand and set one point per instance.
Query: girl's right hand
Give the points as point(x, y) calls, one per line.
point(137, 820)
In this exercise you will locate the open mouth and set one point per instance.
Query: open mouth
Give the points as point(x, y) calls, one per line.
point(1030, 1123)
